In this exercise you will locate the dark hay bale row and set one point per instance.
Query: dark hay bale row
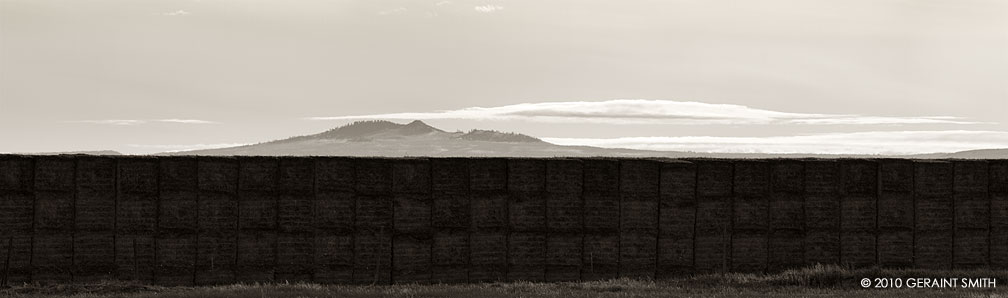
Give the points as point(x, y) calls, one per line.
point(564, 176)
point(218, 174)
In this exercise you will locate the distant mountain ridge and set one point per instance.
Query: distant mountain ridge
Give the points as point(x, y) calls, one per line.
point(382, 138)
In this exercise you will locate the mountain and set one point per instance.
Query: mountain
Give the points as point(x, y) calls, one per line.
point(385, 138)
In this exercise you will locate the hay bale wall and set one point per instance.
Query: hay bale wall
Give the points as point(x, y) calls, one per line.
point(214, 220)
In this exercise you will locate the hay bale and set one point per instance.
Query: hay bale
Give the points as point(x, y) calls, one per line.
point(526, 175)
point(412, 213)
point(714, 178)
point(564, 212)
point(177, 212)
point(450, 253)
point(452, 211)
point(175, 260)
point(564, 176)
point(334, 211)
point(970, 176)
point(257, 213)
point(933, 250)
point(138, 176)
point(601, 176)
point(997, 178)
point(712, 252)
point(527, 211)
point(94, 256)
point(485, 174)
point(488, 254)
point(675, 256)
point(678, 185)
point(857, 249)
point(16, 173)
point(749, 252)
point(677, 222)
point(895, 248)
point(713, 215)
point(822, 211)
point(95, 211)
point(932, 178)
point(822, 246)
point(823, 177)
point(896, 176)
point(787, 176)
point(934, 213)
point(601, 212)
point(526, 256)
point(136, 216)
point(295, 213)
point(333, 258)
point(374, 176)
point(215, 259)
point(16, 212)
point(640, 176)
point(999, 231)
point(256, 256)
point(52, 257)
point(971, 249)
point(19, 248)
point(218, 214)
point(489, 210)
point(295, 256)
point(411, 176)
point(786, 250)
point(971, 201)
point(54, 211)
point(411, 259)
point(750, 213)
point(639, 213)
point(638, 255)
point(334, 175)
point(135, 258)
point(450, 176)
point(55, 173)
point(752, 178)
point(896, 210)
point(787, 212)
point(374, 213)
point(372, 259)
point(97, 174)
point(218, 174)
point(177, 174)
point(600, 259)
point(258, 174)
point(860, 177)
point(297, 176)
point(857, 213)
point(563, 256)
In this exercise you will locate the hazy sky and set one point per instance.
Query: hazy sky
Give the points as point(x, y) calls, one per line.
point(156, 75)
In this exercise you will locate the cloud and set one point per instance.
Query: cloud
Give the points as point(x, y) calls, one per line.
point(177, 13)
point(394, 11)
point(640, 111)
point(181, 147)
point(488, 8)
point(873, 142)
point(442, 3)
point(125, 122)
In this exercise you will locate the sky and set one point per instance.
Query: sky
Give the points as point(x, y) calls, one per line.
point(777, 76)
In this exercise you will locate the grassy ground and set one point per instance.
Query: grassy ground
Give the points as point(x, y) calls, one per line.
point(819, 281)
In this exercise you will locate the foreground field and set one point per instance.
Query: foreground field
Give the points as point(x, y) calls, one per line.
point(818, 281)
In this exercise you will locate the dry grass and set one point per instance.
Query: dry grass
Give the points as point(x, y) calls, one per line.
point(818, 281)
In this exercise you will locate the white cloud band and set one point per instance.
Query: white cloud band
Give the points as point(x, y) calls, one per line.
point(874, 142)
point(640, 111)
